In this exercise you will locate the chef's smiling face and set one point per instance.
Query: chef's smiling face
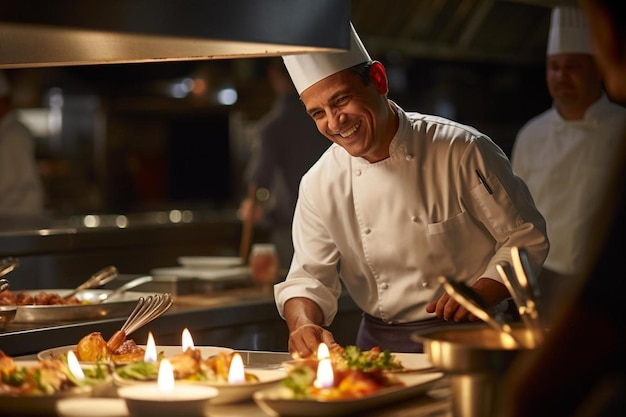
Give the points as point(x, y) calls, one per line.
point(352, 114)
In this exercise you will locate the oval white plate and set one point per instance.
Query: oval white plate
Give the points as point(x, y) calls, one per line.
point(278, 401)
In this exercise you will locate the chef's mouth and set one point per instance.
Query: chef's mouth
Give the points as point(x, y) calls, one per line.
point(347, 133)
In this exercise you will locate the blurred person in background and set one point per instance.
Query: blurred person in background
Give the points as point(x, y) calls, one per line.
point(287, 145)
point(579, 370)
point(21, 189)
point(565, 153)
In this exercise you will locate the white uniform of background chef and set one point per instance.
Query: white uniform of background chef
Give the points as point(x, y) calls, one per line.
point(564, 154)
point(445, 202)
point(21, 190)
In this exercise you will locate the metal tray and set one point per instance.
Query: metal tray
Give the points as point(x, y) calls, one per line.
point(122, 307)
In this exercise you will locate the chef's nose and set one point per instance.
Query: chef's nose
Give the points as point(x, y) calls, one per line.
point(335, 122)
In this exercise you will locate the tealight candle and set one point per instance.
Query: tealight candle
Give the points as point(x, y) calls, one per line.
point(151, 354)
point(187, 340)
point(236, 373)
point(74, 365)
point(165, 398)
point(325, 377)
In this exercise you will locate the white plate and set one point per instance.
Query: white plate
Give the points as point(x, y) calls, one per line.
point(217, 274)
point(227, 393)
point(92, 407)
point(168, 351)
point(35, 405)
point(208, 262)
point(278, 401)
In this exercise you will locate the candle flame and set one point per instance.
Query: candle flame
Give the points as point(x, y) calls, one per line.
point(75, 369)
point(322, 351)
point(325, 375)
point(151, 353)
point(165, 380)
point(187, 340)
point(236, 373)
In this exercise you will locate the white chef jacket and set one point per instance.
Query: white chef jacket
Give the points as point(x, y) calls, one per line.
point(21, 190)
point(566, 165)
point(390, 228)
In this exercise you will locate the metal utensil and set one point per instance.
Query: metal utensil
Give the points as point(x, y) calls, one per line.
point(529, 289)
point(98, 279)
point(7, 265)
point(122, 289)
point(4, 285)
point(146, 310)
point(468, 298)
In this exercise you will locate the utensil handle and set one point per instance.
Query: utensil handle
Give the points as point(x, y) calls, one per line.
point(129, 285)
point(98, 279)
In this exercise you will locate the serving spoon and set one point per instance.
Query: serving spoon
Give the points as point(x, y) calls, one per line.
point(122, 289)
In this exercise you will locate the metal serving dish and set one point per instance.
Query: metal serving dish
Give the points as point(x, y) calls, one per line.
point(122, 307)
point(477, 358)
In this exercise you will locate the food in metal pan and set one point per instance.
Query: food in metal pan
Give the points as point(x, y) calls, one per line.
point(25, 298)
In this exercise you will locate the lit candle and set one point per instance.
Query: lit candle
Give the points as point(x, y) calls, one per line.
point(236, 372)
point(187, 340)
point(165, 379)
point(165, 398)
point(325, 376)
point(75, 369)
point(151, 354)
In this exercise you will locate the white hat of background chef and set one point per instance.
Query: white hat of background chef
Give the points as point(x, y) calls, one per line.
point(569, 32)
point(5, 88)
point(307, 69)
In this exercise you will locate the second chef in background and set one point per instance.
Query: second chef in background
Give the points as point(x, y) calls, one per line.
point(398, 200)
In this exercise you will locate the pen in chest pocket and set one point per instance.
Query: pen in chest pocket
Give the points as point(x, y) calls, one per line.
point(483, 182)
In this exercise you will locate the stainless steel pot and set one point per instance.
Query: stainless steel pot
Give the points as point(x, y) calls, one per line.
point(476, 358)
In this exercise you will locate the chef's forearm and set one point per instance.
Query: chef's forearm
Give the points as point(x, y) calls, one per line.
point(300, 311)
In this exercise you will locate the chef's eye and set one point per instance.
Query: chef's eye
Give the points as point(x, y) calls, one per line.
point(342, 100)
point(317, 114)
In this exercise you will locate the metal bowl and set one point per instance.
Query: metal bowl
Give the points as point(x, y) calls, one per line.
point(7, 314)
point(476, 358)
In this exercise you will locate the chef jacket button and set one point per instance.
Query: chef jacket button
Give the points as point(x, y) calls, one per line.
point(425, 285)
point(367, 231)
point(384, 285)
point(357, 172)
point(408, 157)
point(414, 219)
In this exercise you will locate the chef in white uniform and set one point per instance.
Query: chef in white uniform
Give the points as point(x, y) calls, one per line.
point(396, 201)
point(565, 153)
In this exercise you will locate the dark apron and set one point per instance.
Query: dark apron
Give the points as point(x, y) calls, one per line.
point(373, 332)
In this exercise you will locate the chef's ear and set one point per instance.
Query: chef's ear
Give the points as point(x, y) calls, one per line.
point(378, 75)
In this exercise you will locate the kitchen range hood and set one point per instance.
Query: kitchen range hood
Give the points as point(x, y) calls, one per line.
point(36, 33)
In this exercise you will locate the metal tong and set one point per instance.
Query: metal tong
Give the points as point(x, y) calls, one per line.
point(7, 265)
point(469, 299)
point(146, 310)
point(524, 288)
point(98, 279)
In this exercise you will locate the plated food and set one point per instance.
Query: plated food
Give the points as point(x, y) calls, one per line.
point(191, 367)
point(33, 387)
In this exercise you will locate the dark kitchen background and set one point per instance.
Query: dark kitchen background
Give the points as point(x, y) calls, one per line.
point(149, 136)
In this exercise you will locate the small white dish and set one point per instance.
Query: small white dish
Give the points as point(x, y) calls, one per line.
point(93, 407)
point(188, 400)
point(209, 262)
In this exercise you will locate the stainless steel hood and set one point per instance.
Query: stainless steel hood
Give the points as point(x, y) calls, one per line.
point(77, 32)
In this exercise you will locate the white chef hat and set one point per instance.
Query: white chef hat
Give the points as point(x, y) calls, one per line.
point(569, 32)
point(307, 69)
point(5, 88)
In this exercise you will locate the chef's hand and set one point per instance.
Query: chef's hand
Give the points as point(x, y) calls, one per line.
point(304, 341)
point(447, 308)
